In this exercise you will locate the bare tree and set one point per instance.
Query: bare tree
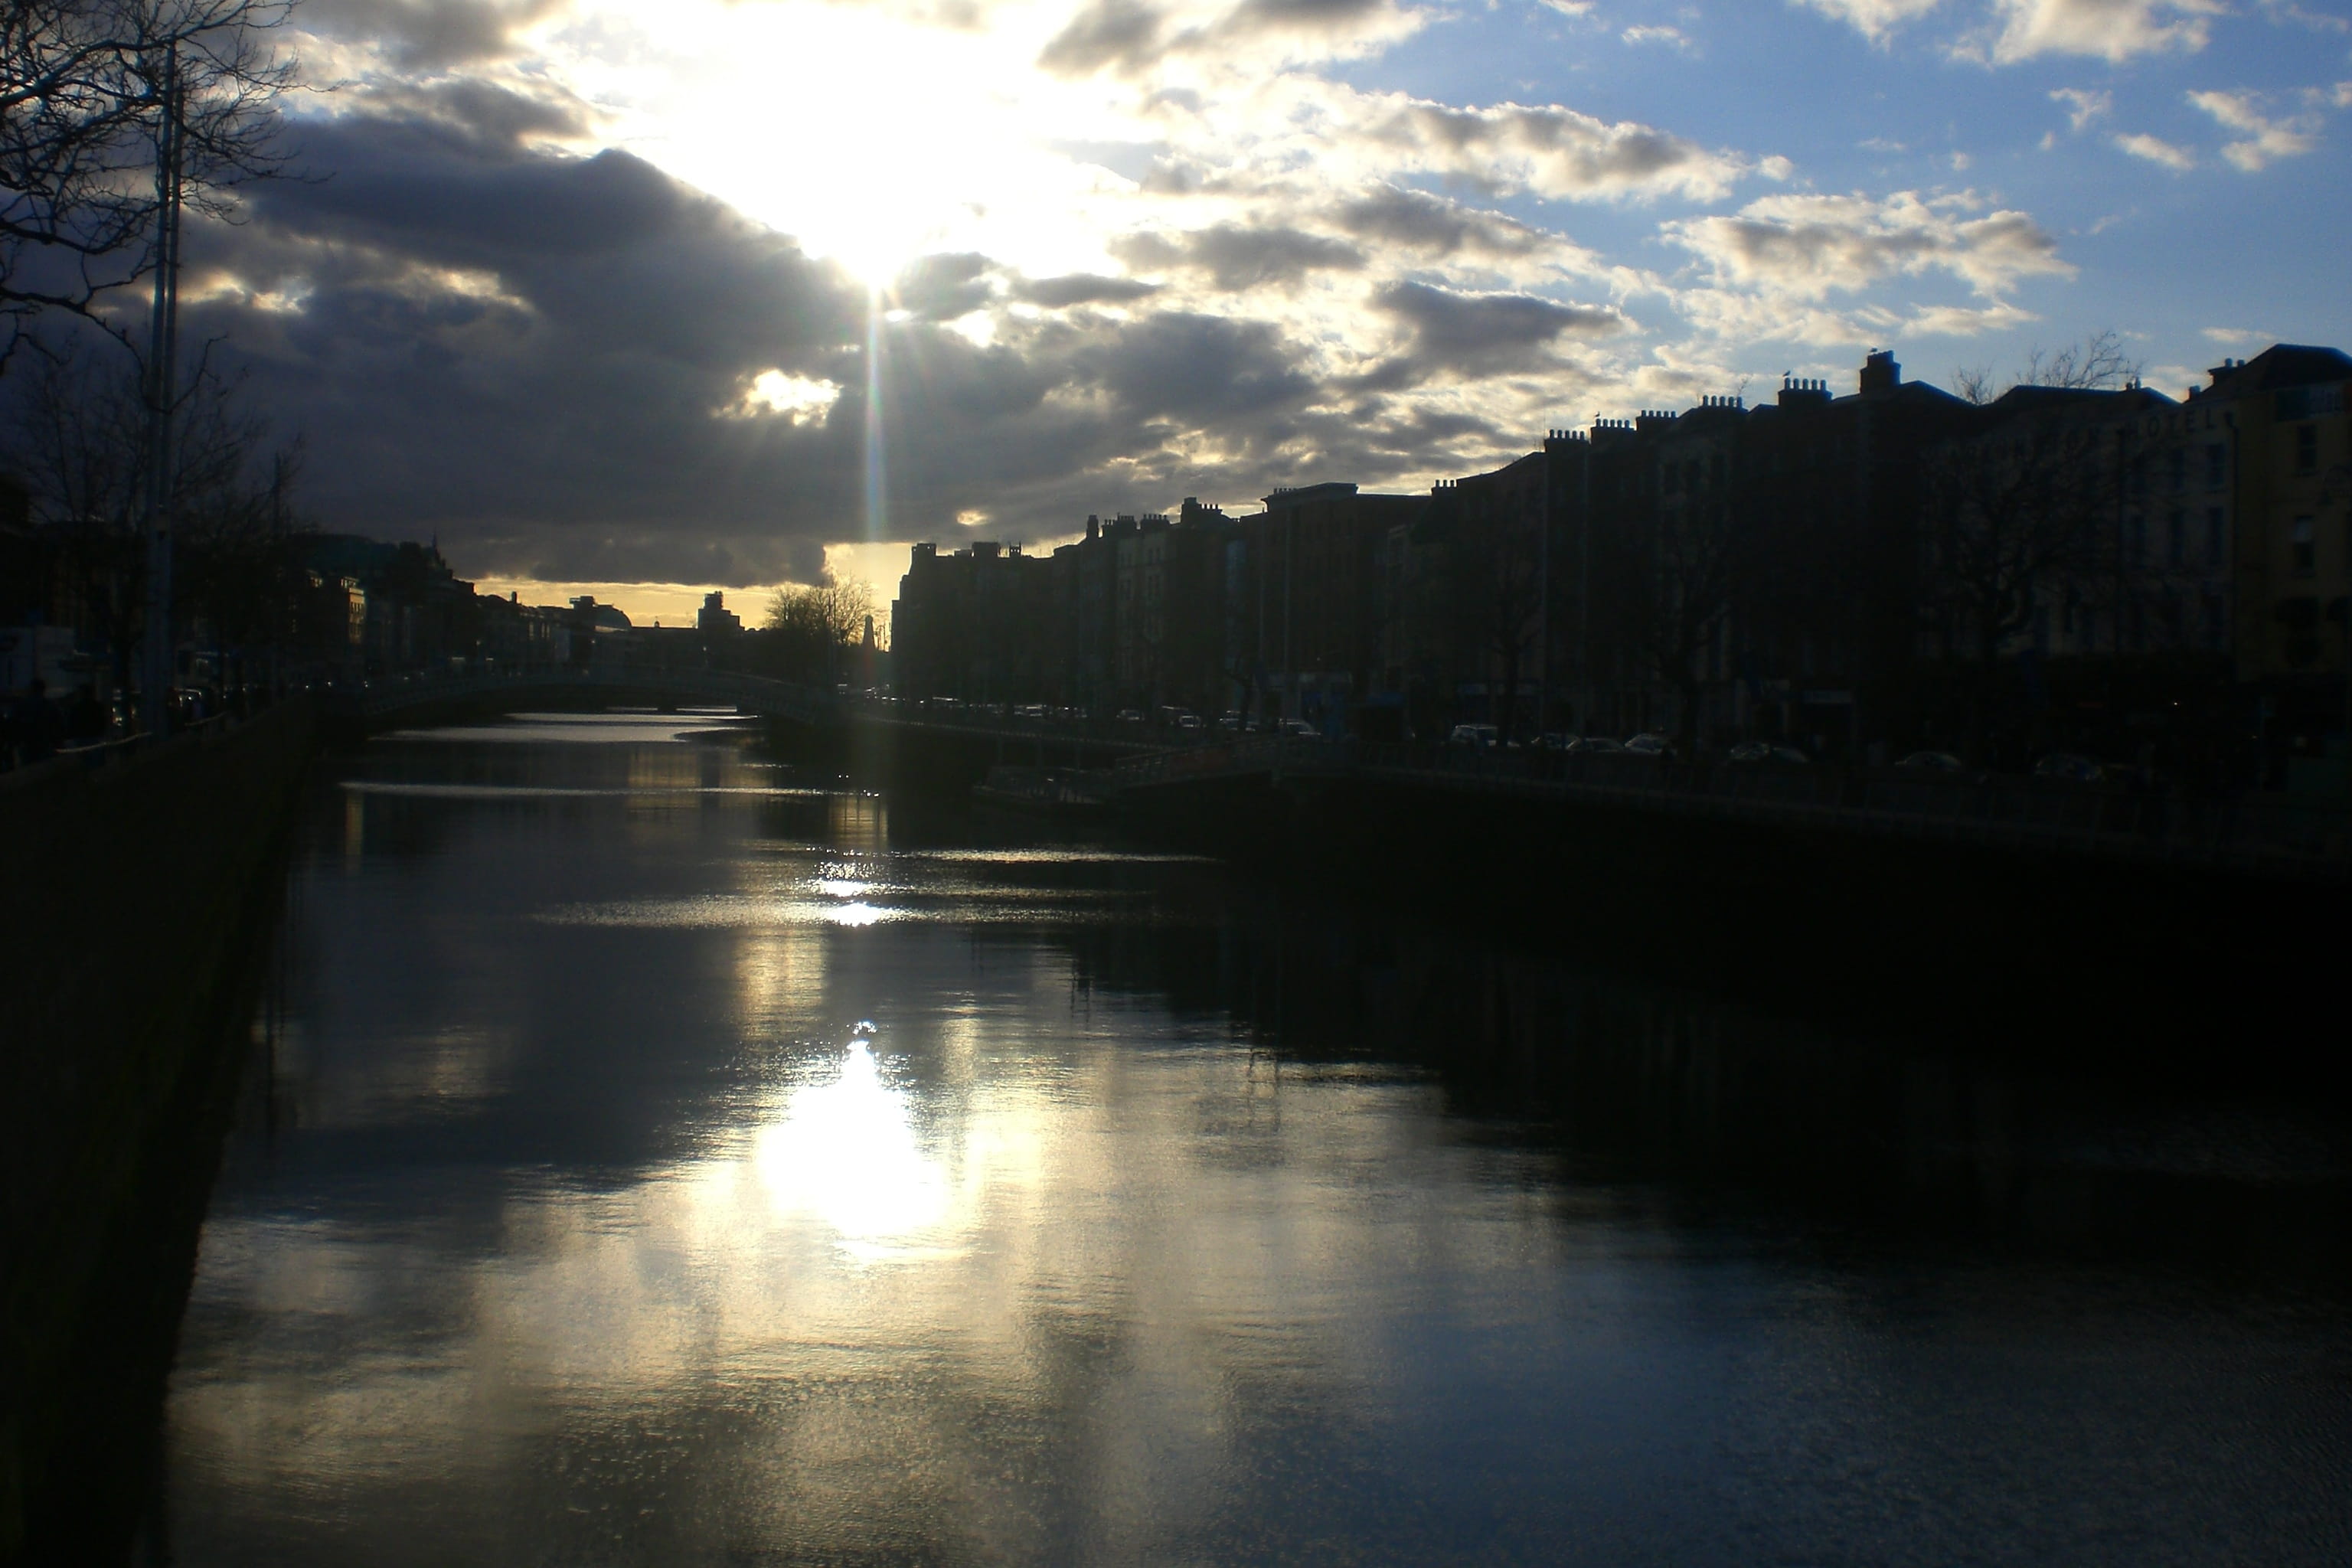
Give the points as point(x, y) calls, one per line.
point(1664, 592)
point(1498, 601)
point(85, 86)
point(2011, 529)
point(80, 441)
point(2093, 364)
point(810, 626)
point(2014, 514)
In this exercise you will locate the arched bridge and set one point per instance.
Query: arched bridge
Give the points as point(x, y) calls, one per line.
point(388, 703)
point(983, 732)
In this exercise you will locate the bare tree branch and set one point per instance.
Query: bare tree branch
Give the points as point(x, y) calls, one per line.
point(81, 104)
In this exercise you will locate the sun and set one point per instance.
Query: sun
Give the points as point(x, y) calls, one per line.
point(869, 141)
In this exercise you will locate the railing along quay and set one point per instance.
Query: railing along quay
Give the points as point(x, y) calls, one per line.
point(2272, 837)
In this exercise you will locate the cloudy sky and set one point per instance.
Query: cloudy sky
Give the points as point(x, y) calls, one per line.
point(689, 292)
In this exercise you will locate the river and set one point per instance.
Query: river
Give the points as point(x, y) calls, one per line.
point(651, 1155)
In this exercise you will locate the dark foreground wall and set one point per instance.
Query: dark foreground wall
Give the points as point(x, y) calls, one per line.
point(135, 897)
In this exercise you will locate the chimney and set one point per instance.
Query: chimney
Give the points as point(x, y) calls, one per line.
point(1880, 373)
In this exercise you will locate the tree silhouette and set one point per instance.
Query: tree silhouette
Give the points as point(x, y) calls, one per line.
point(79, 443)
point(84, 90)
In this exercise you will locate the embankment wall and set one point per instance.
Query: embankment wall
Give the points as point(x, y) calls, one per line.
point(137, 897)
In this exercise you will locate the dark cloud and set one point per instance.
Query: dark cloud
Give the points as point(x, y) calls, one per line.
point(1197, 368)
point(1263, 15)
point(498, 119)
point(1107, 35)
point(1128, 38)
point(1479, 334)
point(545, 359)
point(426, 33)
point(1418, 221)
point(1235, 258)
point(1082, 289)
point(944, 287)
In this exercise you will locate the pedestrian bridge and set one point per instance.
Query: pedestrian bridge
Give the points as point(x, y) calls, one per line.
point(386, 702)
point(396, 700)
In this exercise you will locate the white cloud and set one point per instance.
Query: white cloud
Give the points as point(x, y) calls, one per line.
point(1674, 37)
point(2262, 139)
point(2156, 150)
point(2010, 31)
point(799, 399)
point(2285, 11)
point(2114, 30)
point(1806, 247)
point(2084, 106)
point(1875, 19)
point(1547, 150)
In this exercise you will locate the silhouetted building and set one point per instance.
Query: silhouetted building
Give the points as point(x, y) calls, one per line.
point(978, 625)
point(715, 618)
point(1310, 604)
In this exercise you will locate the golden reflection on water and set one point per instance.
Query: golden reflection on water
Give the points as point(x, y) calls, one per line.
point(844, 1152)
point(854, 1273)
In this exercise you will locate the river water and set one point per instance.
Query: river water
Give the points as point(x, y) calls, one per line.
point(653, 1156)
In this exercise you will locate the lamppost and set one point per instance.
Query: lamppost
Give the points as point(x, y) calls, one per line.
point(162, 378)
point(2339, 610)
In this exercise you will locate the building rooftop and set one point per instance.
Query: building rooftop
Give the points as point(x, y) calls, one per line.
point(2280, 366)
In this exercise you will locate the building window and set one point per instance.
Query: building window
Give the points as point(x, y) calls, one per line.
point(2216, 537)
point(2305, 541)
point(2176, 542)
point(2178, 459)
point(2215, 623)
point(2217, 466)
point(2306, 447)
point(2134, 540)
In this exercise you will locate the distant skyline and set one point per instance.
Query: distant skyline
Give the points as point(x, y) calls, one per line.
point(594, 289)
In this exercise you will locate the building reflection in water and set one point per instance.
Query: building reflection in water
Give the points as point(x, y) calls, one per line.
point(1083, 1205)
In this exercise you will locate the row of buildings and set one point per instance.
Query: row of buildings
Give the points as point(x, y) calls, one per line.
point(302, 605)
point(2109, 566)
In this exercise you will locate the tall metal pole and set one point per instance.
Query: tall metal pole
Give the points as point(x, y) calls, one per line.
point(163, 387)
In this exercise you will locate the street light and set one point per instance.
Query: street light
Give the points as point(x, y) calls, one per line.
point(2339, 610)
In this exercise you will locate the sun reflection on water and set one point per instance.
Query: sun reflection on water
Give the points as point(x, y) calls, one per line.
point(845, 1153)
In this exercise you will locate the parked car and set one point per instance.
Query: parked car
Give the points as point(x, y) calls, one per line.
point(1765, 752)
point(1932, 763)
point(1189, 721)
point(1129, 716)
point(1301, 728)
point(1591, 745)
point(1475, 737)
point(2072, 766)
point(1650, 743)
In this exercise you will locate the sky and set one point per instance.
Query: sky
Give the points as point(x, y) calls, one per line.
point(657, 295)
